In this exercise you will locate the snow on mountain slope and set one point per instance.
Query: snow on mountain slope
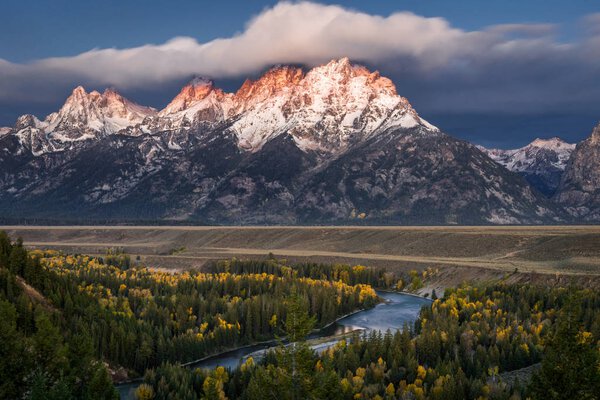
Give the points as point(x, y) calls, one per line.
point(4, 130)
point(542, 161)
point(315, 146)
point(259, 108)
point(338, 104)
point(327, 109)
point(554, 152)
point(193, 92)
point(104, 113)
point(84, 116)
point(198, 101)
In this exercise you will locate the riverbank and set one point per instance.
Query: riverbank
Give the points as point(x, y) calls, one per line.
point(398, 310)
point(270, 343)
point(339, 319)
point(421, 296)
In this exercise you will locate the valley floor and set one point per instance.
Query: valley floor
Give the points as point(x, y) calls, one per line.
point(460, 253)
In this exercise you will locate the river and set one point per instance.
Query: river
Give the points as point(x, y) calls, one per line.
point(392, 314)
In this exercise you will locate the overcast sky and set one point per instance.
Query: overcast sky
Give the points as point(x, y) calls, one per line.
point(496, 72)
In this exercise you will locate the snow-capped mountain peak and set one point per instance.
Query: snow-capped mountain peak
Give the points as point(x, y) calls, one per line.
point(341, 69)
point(554, 151)
point(294, 145)
point(554, 143)
point(542, 161)
point(104, 113)
point(351, 101)
point(84, 116)
point(27, 120)
point(281, 77)
point(327, 109)
point(195, 91)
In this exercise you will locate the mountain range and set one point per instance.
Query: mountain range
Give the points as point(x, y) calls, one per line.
point(335, 144)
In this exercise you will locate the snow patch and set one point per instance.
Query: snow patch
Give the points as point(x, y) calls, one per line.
point(501, 217)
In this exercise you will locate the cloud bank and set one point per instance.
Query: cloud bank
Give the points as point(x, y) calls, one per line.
point(504, 68)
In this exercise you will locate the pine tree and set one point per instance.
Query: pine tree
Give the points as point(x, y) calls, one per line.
point(293, 377)
point(5, 249)
point(101, 387)
point(571, 365)
point(13, 360)
point(18, 258)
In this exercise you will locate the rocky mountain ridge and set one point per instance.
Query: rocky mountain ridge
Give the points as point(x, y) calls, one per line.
point(579, 188)
point(333, 144)
point(338, 96)
point(541, 162)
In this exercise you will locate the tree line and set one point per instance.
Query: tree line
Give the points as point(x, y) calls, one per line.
point(136, 318)
point(459, 348)
point(39, 360)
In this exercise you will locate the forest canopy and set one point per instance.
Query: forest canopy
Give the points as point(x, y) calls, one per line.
point(133, 318)
point(72, 324)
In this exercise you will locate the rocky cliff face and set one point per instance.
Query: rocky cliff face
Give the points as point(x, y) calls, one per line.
point(542, 162)
point(335, 144)
point(579, 189)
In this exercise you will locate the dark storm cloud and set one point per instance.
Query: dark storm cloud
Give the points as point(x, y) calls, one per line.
point(514, 68)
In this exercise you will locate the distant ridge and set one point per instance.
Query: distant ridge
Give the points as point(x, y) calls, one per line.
point(542, 162)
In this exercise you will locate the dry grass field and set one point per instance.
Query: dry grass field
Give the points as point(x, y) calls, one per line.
point(460, 253)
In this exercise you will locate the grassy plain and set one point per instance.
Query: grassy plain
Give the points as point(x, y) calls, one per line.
point(459, 252)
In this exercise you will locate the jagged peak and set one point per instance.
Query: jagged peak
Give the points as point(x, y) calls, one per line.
point(275, 79)
point(594, 137)
point(343, 71)
point(550, 143)
point(109, 97)
point(26, 120)
point(193, 92)
point(335, 68)
point(328, 108)
point(340, 65)
point(282, 75)
point(344, 100)
point(106, 112)
point(79, 91)
point(596, 130)
point(82, 101)
point(119, 104)
point(245, 87)
point(78, 95)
